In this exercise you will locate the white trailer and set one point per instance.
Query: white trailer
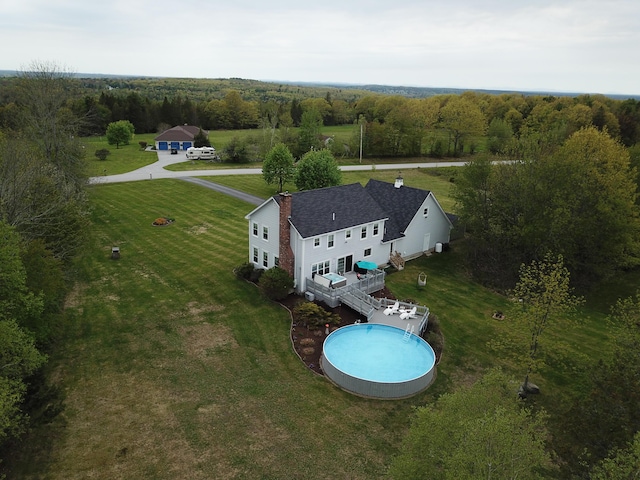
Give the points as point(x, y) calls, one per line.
point(202, 153)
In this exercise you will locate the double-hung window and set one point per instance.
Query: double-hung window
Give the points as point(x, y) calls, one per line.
point(255, 229)
point(363, 232)
point(265, 233)
point(330, 241)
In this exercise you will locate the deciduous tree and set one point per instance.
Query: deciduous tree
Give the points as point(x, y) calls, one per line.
point(278, 166)
point(19, 357)
point(545, 299)
point(309, 133)
point(477, 432)
point(44, 93)
point(560, 203)
point(604, 414)
point(317, 169)
point(462, 119)
point(622, 464)
point(120, 133)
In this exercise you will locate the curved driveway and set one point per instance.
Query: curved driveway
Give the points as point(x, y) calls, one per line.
point(156, 170)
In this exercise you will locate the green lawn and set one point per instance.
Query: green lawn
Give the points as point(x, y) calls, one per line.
point(120, 160)
point(173, 368)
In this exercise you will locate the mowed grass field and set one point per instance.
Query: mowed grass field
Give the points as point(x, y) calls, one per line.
point(173, 368)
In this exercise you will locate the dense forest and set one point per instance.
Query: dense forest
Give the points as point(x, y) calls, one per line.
point(396, 125)
point(570, 173)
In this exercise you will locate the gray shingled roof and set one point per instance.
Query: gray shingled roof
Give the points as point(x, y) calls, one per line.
point(401, 205)
point(312, 211)
point(179, 133)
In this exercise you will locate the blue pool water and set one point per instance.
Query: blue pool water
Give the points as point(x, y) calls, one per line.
point(378, 353)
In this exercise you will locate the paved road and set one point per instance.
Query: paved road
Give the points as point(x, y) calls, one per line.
point(156, 170)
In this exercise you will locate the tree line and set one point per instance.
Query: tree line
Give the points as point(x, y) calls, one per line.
point(394, 125)
point(43, 221)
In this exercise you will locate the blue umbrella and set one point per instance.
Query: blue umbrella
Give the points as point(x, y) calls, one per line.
point(366, 265)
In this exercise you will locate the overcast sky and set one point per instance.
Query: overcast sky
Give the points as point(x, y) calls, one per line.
point(579, 46)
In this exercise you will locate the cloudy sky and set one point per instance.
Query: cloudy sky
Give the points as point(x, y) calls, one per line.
point(527, 45)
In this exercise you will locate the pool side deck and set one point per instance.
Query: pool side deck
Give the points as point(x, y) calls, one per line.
point(380, 317)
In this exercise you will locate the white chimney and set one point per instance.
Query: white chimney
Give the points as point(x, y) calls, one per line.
point(399, 181)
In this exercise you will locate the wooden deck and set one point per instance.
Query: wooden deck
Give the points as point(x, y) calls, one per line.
point(356, 295)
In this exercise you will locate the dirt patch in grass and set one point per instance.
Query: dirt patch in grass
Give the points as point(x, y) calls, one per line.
point(196, 309)
point(199, 229)
point(205, 339)
point(74, 297)
point(136, 435)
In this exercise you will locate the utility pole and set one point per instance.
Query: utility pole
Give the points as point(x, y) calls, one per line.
point(360, 138)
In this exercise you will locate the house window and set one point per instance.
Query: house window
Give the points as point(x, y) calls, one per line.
point(265, 259)
point(363, 232)
point(330, 241)
point(265, 233)
point(255, 255)
point(255, 229)
point(376, 229)
point(347, 235)
point(367, 252)
point(320, 268)
point(276, 261)
point(316, 242)
point(425, 212)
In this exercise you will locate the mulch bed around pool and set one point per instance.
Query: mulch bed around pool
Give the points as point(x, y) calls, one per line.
point(308, 343)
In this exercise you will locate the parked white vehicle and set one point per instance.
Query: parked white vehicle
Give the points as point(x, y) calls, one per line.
point(202, 153)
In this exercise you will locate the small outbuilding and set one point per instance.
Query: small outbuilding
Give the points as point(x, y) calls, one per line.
point(180, 137)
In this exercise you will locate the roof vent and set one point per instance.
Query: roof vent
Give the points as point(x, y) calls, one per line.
point(399, 181)
point(334, 215)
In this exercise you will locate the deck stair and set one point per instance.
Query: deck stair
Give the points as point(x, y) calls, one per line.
point(361, 302)
point(397, 261)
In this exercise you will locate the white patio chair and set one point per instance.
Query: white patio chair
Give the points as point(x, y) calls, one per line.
point(407, 314)
point(390, 310)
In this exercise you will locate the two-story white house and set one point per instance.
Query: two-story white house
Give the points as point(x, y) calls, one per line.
point(330, 229)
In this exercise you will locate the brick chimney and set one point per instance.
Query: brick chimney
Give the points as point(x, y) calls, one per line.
point(285, 253)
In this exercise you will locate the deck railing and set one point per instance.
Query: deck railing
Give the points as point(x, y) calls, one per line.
point(372, 282)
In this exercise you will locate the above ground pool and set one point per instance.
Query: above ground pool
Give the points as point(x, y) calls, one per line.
point(378, 361)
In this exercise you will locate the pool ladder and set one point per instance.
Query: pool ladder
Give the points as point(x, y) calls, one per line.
point(408, 332)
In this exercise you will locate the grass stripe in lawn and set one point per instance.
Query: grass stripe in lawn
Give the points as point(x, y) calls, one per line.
point(172, 367)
